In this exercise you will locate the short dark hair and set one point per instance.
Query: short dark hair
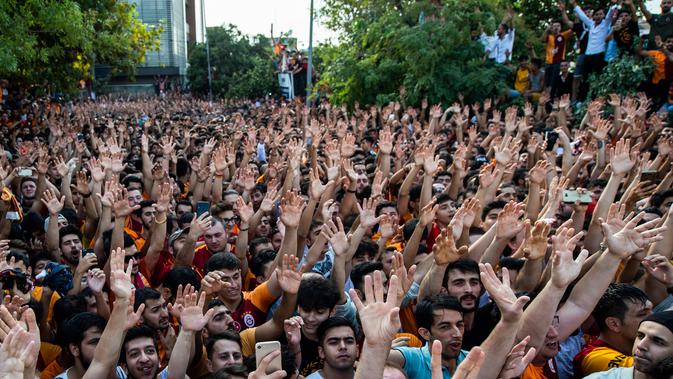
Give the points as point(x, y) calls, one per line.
point(181, 275)
point(222, 261)
point(18, 257)
point(144, 294)
point(498, 204)
point(443, 198)
point(38, 256)
point(330, 323)
point(317, 293)
point(366, 247)
point(464, 265)
point(67, 230)
point(229, 335)
point(658, 198)
point(256, 242)
point(613, 302)
point(426, 307)
point(78, 324)
point(384, 204)
point(142, 331)
point(144, 204)
point(361, 270)
point(128, 179)
point(260, 259)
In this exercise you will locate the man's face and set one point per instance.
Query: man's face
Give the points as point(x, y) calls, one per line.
point(556, 27)
point(39, 266)
point(360, 259)
point(598, 16)
point(551, 345)
point(447, 327)
point(668, 44)
point(181, 209)
point(221, 321)
point(257, 197)
point(635, 313)
point(147, 215)
point(313, 319)
point(653, 350)
point(490, 218)
point(465, 286)
point(666, 6)
point(339, 348)
point(443, 179)
point(229, 220)
point(665, 205)
point(142, 359)
point(362, 182)
point(445, 212)
point(230, 199)
point(84, 351)
point(134, 197)
point(233, 279)
point(216, 238)
point(178, 244)
point(263, 247)
point(226, 353)
point(71, 246)
point(507, 194)
point(264, 226)
point(564, 67)
point(277, 240)
point(392, 213)
point(156, 314)
point(28, 189)
point(387, 260)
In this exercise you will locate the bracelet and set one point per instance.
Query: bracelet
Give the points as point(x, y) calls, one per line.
point(161, 222)
point(349, 191)
point(243, 230)
point(88, 195)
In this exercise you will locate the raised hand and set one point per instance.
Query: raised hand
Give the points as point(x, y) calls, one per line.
point(261, 371)
point(336, 235)
point(444, 249)
point(537, 174)
point(289, 276)
point(291, 207)
point(564, 268)
point(428, 212)
point(508, 224)
point(53, 204)
point(468, 369)
point(535, 243)
point(200, 225)
point(622, 159)
point(245, 211)
point(367, 213)
point(316, 188)
point(192, 318)
point(380, 317)
point(631, 237)
point(517, 360)
point(487, 175)
point(292, 327)
point(387, 227)
point(510, 306)
point(164, 199)
point(121, 207)
point(660, 268)
point(95, 279)
point(17, 353)
point(212, 283)
point(405, 276)
point(120, 280)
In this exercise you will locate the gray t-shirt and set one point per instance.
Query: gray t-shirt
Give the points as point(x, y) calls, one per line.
point(615, 373)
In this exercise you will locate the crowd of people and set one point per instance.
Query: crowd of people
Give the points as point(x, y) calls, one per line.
point(597, 35)
point(171, 237)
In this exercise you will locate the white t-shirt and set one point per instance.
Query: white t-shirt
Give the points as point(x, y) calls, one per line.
point(316, 375)
point(614, 373)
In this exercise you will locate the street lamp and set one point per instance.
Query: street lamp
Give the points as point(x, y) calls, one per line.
point(205, 37)
point(309, 73)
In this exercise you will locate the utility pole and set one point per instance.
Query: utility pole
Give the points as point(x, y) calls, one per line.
point(309, 73)
point(205, 36)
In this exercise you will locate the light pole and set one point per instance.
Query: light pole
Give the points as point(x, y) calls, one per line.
point(309, 72)
point(205, 37)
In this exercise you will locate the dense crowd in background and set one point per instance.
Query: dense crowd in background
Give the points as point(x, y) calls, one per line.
point(170, 237)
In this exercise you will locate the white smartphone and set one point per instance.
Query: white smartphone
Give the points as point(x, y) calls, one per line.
point(262, 349)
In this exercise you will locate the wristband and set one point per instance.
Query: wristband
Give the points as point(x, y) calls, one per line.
point(161, 222)
point(353, 191)
point(243, 230)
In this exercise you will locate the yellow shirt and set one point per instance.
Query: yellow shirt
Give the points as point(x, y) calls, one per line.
point(521, 81)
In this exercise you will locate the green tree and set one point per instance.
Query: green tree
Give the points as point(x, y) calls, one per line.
point(426, 46)
point(56, 42)
point(241, 68)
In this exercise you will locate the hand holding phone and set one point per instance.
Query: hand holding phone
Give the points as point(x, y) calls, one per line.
point(262, 349)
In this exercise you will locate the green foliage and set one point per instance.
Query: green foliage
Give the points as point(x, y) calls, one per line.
point(58, 42)
point(623, 76)
point(422, 45)
point(240, 68)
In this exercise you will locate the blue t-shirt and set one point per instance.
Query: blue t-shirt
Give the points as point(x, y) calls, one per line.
point(417, 362)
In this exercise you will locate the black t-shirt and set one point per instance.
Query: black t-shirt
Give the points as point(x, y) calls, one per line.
point(310, 360)
point(485, 320)
point(582, 35)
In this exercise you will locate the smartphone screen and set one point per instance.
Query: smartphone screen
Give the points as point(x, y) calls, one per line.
point(202, 207)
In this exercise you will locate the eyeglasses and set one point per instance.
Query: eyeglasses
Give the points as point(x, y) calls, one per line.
point(230, 220)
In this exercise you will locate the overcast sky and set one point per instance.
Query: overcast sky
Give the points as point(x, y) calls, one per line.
point(256, 16)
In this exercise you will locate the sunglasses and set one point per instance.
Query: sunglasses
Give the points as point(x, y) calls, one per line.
point(9, 278)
